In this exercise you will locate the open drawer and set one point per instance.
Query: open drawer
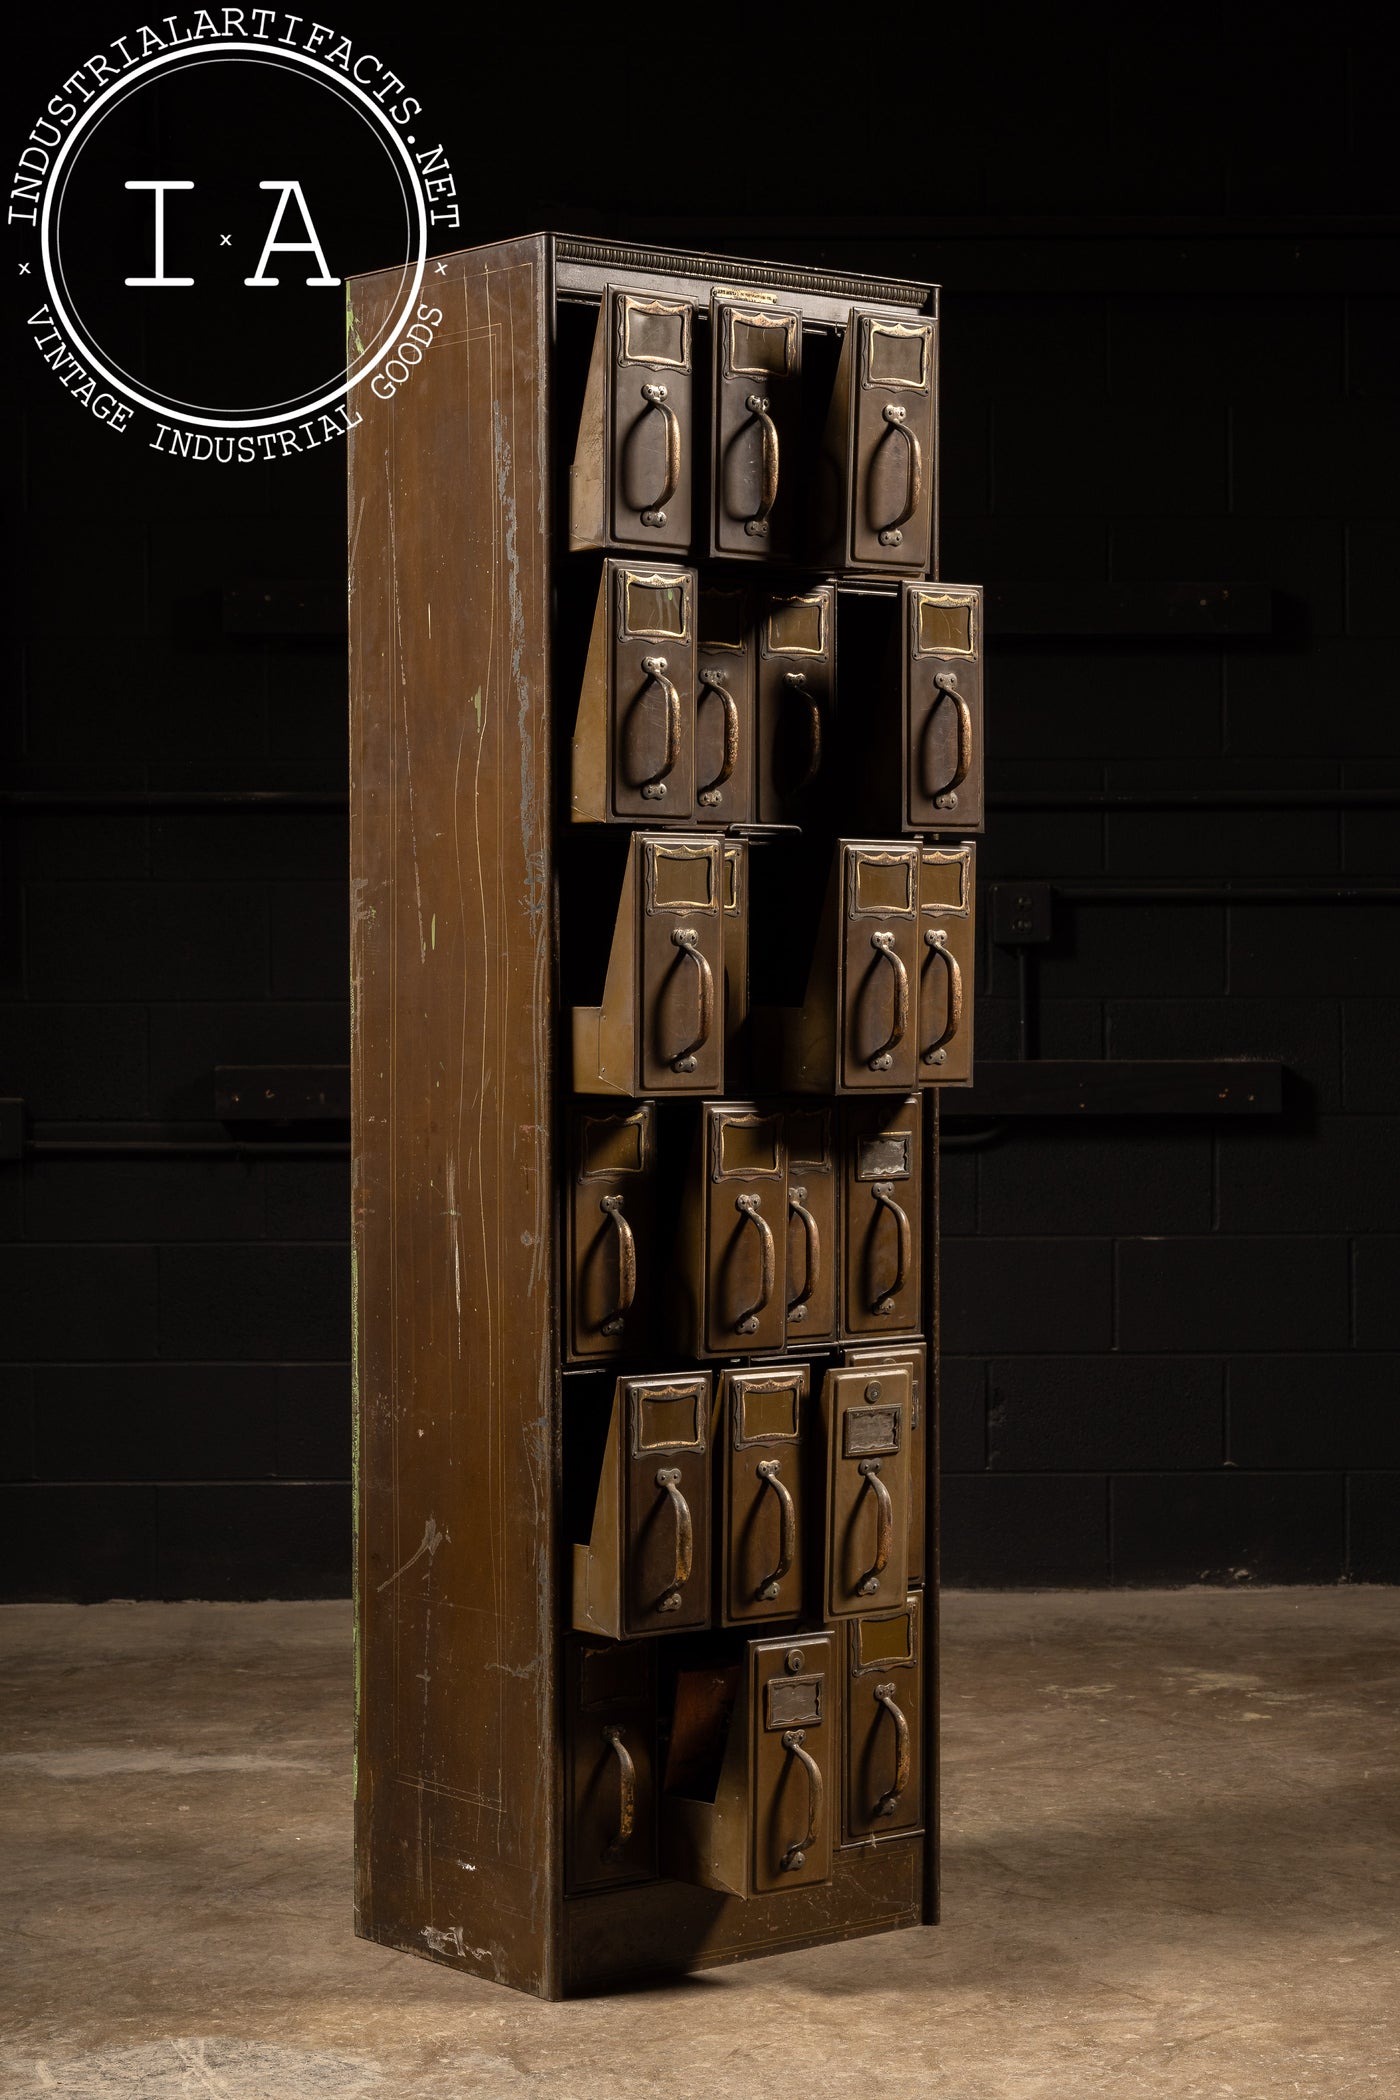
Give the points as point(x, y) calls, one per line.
point(610, 1755)
point(659, 1028)
point(631, 481)
point(751, 1769)
point(645, 1567)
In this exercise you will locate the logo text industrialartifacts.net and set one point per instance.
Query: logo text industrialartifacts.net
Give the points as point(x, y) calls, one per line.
point(108, 368)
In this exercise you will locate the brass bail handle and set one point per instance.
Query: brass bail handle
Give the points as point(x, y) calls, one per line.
point(654, 394)
point(787, 1530)
point(655, 668)
point(611, 1207)
point(896, 415)
point(668, 1478)
point(797, 1208)
point(796, 1855)
point(626, 1794)
point(713, 682)
point(757, 407)
point(889, 1800)
point(884, 944)
point(883, 1192)
point(688, 941)
point(945, 795)
point(796, 683)
point(751, 1207)
point(937, 943)
point(884, 1527)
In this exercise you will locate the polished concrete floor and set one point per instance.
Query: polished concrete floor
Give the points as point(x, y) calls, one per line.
point(1171, 1867)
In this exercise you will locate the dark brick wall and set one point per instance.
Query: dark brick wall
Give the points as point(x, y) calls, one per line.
point(1172, 319)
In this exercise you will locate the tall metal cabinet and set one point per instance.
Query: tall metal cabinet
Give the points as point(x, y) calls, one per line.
point(666, 749)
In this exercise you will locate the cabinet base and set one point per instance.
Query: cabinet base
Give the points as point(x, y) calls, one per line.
point(664, 1928)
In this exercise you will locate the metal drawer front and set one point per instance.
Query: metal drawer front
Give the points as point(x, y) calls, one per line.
point(761, 1418)
point(682, 949)
point(660, 1026)
point(882, 1225)
point(811, 1232)
point(726, 674)
point(795, 1744)
point(612, 1233)
point(652, 691)
point(882, 1791)
point(891, 437)
point(755, 429)
point(880, 904)
point(736, 962)
point(948, 954)
point(633, 752)
point(666, 1524)
point(733, 1258)
point(630, 483)
point(796, 703)
point(865, 1436)
point(942, 707)
point(645, 1568)
point(752, 1769)
point(913, 1356)
point(610, 1751)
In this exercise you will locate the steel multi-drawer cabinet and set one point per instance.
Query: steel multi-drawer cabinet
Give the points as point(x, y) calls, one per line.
point(666, 749)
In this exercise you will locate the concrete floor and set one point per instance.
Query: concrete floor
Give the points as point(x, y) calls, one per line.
point(1170, 1868)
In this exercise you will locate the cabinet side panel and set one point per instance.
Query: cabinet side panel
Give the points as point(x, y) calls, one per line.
point(456, 1781)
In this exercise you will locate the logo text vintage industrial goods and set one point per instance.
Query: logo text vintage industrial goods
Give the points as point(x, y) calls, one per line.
point(188, 205)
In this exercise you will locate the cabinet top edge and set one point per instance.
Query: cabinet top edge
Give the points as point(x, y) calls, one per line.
point(582, 265)
point(578, 261)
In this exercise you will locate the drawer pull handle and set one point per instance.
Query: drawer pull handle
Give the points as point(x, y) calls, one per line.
point(937, 942)
point(888, 1802)
point(797, 1208)
point(751, 1207)
point(655, 668)
point(626, 1794)
point(688, 941)
point(796, 1854)
point(787, 1535)
point(796, 682)
point(883, 1192)
point(768, 488)
point(891, 534)
point(884, 944)
point(669, 1478)
point(655, 397)
point(884, 1527)
point(713, 682)
point(947, 683)
point(611, 1207)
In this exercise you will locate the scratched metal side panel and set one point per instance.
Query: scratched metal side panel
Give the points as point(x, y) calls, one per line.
point(456, 1788)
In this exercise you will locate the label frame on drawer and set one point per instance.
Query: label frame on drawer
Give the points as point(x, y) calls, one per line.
point(652, 1387)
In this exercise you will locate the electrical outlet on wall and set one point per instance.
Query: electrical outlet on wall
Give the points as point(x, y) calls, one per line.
point(1020, 914)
